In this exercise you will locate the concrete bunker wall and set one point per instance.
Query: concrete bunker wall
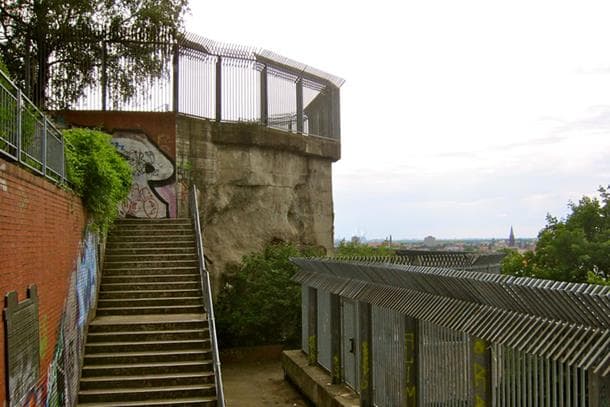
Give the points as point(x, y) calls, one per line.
point(257, 184)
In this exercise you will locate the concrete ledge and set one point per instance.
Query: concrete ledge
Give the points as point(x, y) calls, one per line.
point(314, 382)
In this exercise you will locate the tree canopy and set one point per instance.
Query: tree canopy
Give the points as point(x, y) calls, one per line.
point(575, 249)
point(65, 42)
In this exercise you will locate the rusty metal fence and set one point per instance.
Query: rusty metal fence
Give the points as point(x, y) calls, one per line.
point(226, 83)
point(27, 135)
point(430, 336)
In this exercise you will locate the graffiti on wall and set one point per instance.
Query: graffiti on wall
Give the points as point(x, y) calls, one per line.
point(63, 373)
point(153, 192)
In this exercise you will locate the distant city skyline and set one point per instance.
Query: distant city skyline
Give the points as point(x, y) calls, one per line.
point(459, 119)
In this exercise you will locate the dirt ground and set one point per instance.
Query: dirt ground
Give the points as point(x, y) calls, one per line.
point(258, 384)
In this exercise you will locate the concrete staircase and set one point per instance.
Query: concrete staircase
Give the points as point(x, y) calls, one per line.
point(149, 342)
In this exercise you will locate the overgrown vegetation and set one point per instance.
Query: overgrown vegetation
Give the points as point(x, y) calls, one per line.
point(98, 172)
point(576, 249)
point(260, 304)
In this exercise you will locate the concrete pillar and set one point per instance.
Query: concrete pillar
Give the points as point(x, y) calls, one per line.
point(366, 358)
point(412, 393)
point(335, 338)
point(312, 327)
point(481, 372)
point(599, 390)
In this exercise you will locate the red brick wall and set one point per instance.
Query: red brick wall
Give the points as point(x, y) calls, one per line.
point(159, 127)
point(41, 227)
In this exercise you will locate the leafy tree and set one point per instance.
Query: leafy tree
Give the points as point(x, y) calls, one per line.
point(260, 304)
point(576, 249)
point(67, 41)
point(99, 174)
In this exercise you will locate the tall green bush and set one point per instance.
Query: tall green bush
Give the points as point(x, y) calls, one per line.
point(260, 304)
point(98, 173)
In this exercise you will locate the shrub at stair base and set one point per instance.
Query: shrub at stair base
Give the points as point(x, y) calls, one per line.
point(98, 172)
point(260, 304)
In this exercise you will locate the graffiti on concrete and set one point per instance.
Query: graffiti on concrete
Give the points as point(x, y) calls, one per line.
point(153, 192)
point(22, 340)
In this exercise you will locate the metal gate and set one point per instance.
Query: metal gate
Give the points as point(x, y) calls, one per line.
point(324, 354)
point(388, 364)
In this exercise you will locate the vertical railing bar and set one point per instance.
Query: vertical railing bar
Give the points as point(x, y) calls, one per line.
point(44, 145)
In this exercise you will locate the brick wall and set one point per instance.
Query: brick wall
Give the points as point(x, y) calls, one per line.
point(41, 233)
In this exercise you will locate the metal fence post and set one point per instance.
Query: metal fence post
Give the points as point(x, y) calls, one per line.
point(299, 105)
point(312, 328)
point(176, 73)
point(366, 357)
point(104, 79)
point(335, 338)
point(19, 108)
point(335, 112)
point(218, 88)
point(412, 383)
point(264, 97)
point(44, 146)
point(481, 372)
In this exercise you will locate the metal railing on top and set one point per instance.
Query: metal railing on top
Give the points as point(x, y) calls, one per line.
point(207, 296)
point(27, 135)
point(222, 82)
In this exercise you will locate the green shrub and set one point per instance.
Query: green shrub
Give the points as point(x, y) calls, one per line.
point(98, 173)
point(260, 304)
point(350, 249)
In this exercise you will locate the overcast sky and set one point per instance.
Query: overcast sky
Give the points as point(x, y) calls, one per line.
point(459, 118)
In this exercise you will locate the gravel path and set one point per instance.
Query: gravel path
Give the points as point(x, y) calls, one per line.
point(258, 384)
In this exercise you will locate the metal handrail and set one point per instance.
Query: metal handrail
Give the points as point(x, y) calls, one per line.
point(13, 144)
point(207, 296)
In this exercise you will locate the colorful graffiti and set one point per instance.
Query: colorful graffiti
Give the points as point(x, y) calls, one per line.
point(63, 373)
point(153, 192)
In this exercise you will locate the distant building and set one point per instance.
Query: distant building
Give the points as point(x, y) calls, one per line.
point(511, 238)
point(430, 241)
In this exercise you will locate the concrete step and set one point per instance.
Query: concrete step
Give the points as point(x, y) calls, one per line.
point(151, 278)
point(140, 231)
point(184, 344)
point(121, 251)
point(133, 369)
point(152, 310)
point(175, 402)
point(188, 285)
point(146, 393)
point(119, 265)
point(145, 336)
point(115, 358)
point(116, 324)
point(108, 295)
point(168, 238)
point(153, 244)
point(118, 227)
point(151, 270)
point(149, 302)
point(155, 222)
point(112, 258)
point(175, 379)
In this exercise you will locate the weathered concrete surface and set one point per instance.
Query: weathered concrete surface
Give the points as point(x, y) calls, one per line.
point(315, 384)
point(258, 185)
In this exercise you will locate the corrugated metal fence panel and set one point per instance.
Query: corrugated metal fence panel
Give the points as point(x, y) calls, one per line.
point(521, 379)
point(349, 343)
point(324, 353)
point(444, 366)
point(388, 361)
point(304, 318)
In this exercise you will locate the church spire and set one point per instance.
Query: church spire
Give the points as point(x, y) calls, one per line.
point(511, 238)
